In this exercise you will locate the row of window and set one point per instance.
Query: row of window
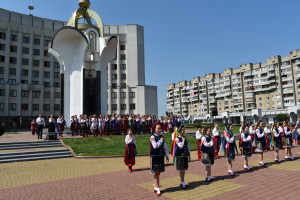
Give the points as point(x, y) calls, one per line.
point(115, 76)
point(25, 50)
point(24, 72)
point(115, 85)
point(25, 61)
point(122, 66)
point(13, 82)
point(25, 93)
point(35, 107)
point(26, 39)
point(123, 106)
point(114, 95)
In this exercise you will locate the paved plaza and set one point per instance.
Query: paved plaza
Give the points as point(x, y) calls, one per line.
point(108, 178)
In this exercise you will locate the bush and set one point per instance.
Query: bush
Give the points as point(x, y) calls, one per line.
point(281, 117)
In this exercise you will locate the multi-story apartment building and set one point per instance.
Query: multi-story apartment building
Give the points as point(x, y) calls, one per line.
point(253, 90)
point(30, 76)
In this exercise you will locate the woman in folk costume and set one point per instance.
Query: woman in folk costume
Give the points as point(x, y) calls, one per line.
point(130, 151)
point(82, 123)
point(94, 123)
point(33, 127)
point(101, 125)
point(165, 121)
point(73, 125)
point(149, 123)
point(198, 138)
point(269, 135)
point(57, 124)
point(246, 144)
point(107, 124)
point(297, 133)
point(276, 141)
point(208, 151)
point(158, 151)
point(51, 127)
point(230, 146)
point(62, 124)
point(170, 124)
point(261, 142)
point(88, 124)
point(130, 123)
point(113, 122)
point(288, 140)
point(252, 134)
point(181, 155)
point(217, 139)
point(119, 124)
point(125, 123)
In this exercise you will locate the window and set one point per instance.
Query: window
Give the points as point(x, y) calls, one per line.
point(56, 75)
point(2, 58)
point(46, 107)
point(132, 106)
point(13, 49)
point(123, 47)
point(35, 82)
point(46, 53)
point(12, 71)
point(35, 107)
point(268, 104)
point(123, 76)
point(26, 39)
point(36, 52)
point(2, 92)
point(46, 63)
point(260, 104)
point(123, 95)
point(24, 106)
point(1, 70)
point(24, 81)
point(123, 85)
point(25, 93)
point(46, 95)
point(12, 81)
point(260, 98)
point(57, 107)
point(24, 72)
point(2, 35)
point(12, 106)
point(123, 56)
point(132, 94)
point(36, 41)
point(56, 94)
point(13, 60)
point(123, 67)
point(1, 106)
point(25, 50)
point(56, 84)
point(2, 47)
point(25, 61)
point(46, 74)
point(36, 63)
point(114, 86)
point(114, 107)
point(123, 106)
point(268, 98)
point(114, 67)
point(114, 76)
point(56, 65)
point(46, 84)
point(46, 43)
point(113, 95)
point(1, 81)
point(35, 73)
point(13, 37)
point(35, 94)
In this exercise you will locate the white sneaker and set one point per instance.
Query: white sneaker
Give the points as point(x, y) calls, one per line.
point(286, 157)
point(292, 158)
point(261, 163)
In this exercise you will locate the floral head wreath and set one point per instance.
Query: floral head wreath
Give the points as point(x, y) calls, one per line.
point(205, 129)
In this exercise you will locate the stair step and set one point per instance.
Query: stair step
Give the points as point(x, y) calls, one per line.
point(38, 155)
point(33, 152)
point(26, 143)
point(36, 158)
point(29, 147)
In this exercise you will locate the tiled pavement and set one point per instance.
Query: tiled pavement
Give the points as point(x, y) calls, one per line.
point(108, 178)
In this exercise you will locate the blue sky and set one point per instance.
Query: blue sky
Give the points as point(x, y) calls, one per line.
point(189, 38)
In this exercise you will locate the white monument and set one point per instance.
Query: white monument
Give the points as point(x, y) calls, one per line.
point(83, 54)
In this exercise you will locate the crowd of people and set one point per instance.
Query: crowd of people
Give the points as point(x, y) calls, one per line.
point(253, 139)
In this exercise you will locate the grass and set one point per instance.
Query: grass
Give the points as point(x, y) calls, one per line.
point(236, 129)
point(6, 133)
point(115, 145)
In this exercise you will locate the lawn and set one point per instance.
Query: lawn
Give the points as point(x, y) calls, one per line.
point(236, 129)
point(115, 145)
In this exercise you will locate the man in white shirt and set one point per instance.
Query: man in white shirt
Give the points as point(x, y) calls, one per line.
point(40, 125)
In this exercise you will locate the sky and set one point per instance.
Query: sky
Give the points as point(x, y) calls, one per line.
point(189, 38)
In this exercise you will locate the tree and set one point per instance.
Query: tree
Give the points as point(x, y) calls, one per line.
point(281, 117)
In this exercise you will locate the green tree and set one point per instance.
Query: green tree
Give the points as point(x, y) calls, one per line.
point(281, 117)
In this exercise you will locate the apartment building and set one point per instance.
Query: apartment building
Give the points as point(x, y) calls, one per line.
point(30, 76)
point(262, 89)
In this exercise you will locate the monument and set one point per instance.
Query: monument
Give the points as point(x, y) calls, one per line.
point(83, 54)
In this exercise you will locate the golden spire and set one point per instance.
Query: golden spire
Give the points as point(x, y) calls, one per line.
point(84, 4)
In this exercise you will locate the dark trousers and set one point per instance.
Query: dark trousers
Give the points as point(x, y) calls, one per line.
point(40, 131)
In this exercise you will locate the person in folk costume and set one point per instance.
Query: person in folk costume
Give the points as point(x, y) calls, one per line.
point(208, 151)
point(138, 124)
point(165, 124)
point(175, 121)
point(230, 147)
point(101, 124)
point(170, 125)
point(269, 135)
point(241, 130)
point(107, 125)
point(73, 125)
point(62, 124)
point(158, 151)
point(88, 124)
point(58, 122)
point(245, 145)
point(252, 134)
point(198, 138)
point(130, 151)
point(261, 142)
point(125, 124)
point(82, 124)
point(217, 139)
point(51, 128)
point(288, 140)
point(178, 121)
point(182, 120)
point(119, 124)
point(149, 123)
point(154, 120)
point(297, 133)
point(94, 123)
point(276, 141)
point(130, 123)
point(181, 155)
point(77, 125)
point(144, 124)
point(33, 126)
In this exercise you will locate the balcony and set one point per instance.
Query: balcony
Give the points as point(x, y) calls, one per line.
point(195, 98)
point(285, 67)
point(288, 91)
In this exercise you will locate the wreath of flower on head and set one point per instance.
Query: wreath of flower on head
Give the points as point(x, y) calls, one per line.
point(180, 128)
point(228, 125)
point(205, 129)
point(246, 125)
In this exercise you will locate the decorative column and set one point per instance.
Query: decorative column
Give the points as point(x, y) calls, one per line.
point(109, 88)
point(118, 78)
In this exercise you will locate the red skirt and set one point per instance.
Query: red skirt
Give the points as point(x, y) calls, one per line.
point(199, 149)
point(129, 158)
